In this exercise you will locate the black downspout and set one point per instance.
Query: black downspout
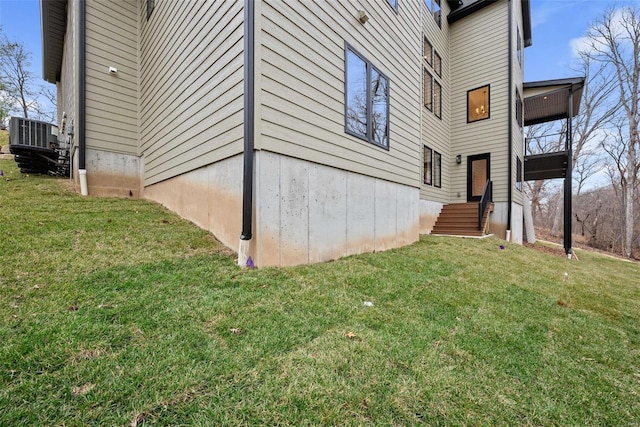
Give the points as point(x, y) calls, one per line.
point(568, 179)
point(249, 114)
point(82, 86)
point(510, 180)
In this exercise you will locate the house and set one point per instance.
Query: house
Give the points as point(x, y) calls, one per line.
point(297, 131)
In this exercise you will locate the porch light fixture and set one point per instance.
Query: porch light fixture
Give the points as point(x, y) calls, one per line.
point(459, 159)
point(363, 17)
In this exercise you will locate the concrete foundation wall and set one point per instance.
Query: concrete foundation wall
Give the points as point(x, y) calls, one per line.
point(303, 212)
point(517, 224)
point(307, 212)
point(429, 212)
point(498, 220)
point(110, 174)
point(210, 197)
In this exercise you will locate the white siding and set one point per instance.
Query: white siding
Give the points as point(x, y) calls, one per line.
point(191, 88)
point(479, 56)
point(68, 74)
point(301, 87)
point(112, 99)
point(435, 131)
point(518, 79)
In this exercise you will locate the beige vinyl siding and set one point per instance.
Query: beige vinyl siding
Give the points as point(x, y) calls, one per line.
point(518, 79)
point(112, 99)
point(191, 89)
point(479, 56)
point(301, 91)
point(68, 74)
point(435, 131)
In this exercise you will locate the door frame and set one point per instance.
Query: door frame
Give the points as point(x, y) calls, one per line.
point(470, 160)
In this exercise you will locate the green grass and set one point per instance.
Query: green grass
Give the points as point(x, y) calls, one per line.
point(117, 312)
point(4, 138)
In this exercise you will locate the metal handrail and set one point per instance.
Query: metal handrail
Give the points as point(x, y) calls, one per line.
point(487, 197)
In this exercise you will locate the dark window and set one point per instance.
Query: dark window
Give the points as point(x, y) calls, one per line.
point(366, 100)
point(150, 5)
point(478, 104)
point(437, 63)
point(427, 50)
point(437, 14)
point(437, 169)
point(437, 99)
point(519, 109)
point(427, 169)
point(518, 174)
point(432, 96)
point(428, 90)
point(394, 4)
point(519, 48)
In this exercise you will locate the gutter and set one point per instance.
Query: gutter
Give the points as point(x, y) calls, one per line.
point(249, 122)
point(82, 110)
point(510, 157)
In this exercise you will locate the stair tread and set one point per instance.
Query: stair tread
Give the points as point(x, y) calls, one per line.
point(458, 219)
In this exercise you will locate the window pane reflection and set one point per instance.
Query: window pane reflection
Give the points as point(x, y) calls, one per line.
point(356, 95)
point(379, 113)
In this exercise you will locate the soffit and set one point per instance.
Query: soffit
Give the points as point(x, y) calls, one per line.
point(53, 20)
point(548, 100)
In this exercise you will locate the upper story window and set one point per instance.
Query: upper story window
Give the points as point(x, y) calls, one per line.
point(150, 5)
point(478, 104)
point(519, 109)
point(427, 51)
point(394, 4)
point(434, 8)
point(519, 50)
point(428, 90)
point(437, 63)
point(366, 100)
point(518, 174)
point(437, 99)
point(432, 97)
point(437, 14)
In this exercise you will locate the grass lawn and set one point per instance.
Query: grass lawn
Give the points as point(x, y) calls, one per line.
point(117, 312)
point(4, 137)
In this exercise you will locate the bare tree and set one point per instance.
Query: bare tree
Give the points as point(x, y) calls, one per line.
point(20, 90)
point(542, 138)
point(596, 112)
point(614, 41)
point(47, 109)
point(17, 80)
point(616, 145)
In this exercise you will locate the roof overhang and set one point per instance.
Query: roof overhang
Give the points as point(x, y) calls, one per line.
point(463, 8)
point(548, 100)
point(53, 22)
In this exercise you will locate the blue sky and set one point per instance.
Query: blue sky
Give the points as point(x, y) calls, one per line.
point(20, 21)
point(554, 24)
